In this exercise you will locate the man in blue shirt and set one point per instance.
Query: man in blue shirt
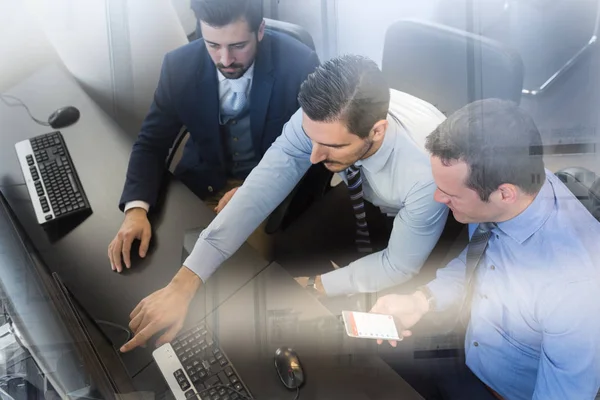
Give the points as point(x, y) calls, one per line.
point(352, 123)
point(530, 275)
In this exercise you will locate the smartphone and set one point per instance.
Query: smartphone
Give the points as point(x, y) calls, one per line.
point(370, 326)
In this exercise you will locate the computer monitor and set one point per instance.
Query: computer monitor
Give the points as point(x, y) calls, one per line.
point(67, 346)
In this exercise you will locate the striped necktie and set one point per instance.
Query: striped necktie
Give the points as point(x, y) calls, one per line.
point(363, 243)
point(475, 250)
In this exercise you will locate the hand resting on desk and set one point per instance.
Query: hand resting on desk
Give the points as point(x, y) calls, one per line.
point(164, 309)
point(135, 226)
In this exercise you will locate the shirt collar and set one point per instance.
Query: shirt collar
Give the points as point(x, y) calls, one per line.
point(524, 225)
point(377, 161)
point(248, 74)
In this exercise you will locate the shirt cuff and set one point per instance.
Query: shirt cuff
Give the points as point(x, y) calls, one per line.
point(442, 295)
point(204, 259)
point(136, 204)
point(338, 282)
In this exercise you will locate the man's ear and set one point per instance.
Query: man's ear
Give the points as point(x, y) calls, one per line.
point(379, 130)
point(508, 193)
point(261, 31)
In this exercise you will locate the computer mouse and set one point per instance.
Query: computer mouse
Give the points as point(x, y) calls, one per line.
point(63, 117)
point(288, 368)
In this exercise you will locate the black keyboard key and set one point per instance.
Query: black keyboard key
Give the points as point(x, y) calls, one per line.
point(190, 394)
point(234, 380)
point(216, 351)
point(185, 385)
point(224, 378)
point(223, 362)
point(200, 387)
point(195, 378)
point(212, 360)
point(229, 371)
point(49, 217)
point(222, 392)
point(212, 392)
point(212, 381)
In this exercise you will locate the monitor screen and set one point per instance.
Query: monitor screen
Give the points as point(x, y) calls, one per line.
point(46, 322)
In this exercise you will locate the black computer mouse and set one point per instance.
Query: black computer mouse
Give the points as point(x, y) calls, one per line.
point(63, 117)
point(288, 368)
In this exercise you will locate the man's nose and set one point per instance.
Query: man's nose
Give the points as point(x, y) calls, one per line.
point(226, 58)
point(440, 197)
point(318, 154)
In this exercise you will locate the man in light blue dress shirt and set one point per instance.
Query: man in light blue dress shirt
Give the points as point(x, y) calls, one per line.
point(534, 327)
point(348, 117)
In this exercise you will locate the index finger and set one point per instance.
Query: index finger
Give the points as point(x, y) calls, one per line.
point(140, 338)
point(126, 251)
point(116, 254)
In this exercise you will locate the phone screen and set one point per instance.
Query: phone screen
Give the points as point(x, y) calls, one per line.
point(370, 326)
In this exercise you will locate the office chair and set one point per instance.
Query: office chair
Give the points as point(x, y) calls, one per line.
point(585, 185)
point(315, 183)
point(448, 67)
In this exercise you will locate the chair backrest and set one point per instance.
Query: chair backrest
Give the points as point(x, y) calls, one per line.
point(448, 67)
point(293, 30)
point(585, 185)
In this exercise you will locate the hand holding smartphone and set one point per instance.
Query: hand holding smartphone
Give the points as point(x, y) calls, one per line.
point(370, 326)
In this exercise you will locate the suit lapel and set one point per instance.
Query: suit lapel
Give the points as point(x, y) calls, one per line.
point(206, 105)
point(262, 84)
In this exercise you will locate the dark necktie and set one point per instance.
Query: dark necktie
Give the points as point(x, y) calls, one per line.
point(363, 243)
point(476, 249)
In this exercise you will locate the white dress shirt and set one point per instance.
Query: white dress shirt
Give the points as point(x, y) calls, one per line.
point(224, 92)
point(397, 178)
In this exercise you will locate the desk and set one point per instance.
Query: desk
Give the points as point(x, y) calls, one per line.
point(241, 299)
point(100, 152)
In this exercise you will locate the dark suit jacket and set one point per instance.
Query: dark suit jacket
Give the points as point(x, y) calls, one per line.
point(188, 95)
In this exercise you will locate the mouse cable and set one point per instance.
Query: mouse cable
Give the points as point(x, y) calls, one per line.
point(117, 326)
point(3, 97)
point(238, 392)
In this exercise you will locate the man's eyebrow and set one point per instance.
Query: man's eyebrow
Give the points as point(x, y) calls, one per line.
point(232, 44)
point(335, 146)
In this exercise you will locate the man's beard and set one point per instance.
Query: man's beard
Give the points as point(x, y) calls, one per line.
point(238, 73)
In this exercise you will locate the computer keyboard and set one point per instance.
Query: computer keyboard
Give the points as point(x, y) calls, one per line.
point(195, 367)
point(55, 189)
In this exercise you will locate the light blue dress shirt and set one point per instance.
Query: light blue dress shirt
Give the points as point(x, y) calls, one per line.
point(397, 178)
point(534, 331)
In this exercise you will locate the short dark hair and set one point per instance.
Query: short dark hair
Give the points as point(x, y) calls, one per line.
point(351, 89)
point(497, 140)
point(219, 13)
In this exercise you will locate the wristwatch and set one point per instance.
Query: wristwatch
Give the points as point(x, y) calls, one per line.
point(428, 296)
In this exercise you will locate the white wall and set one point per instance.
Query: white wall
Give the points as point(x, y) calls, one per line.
point(185, 14)
point(114, 48)
point(24, 46)
point(361, 25)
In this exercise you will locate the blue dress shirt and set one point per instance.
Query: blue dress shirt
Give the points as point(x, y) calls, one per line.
point(534, 331)
point(397, 179)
